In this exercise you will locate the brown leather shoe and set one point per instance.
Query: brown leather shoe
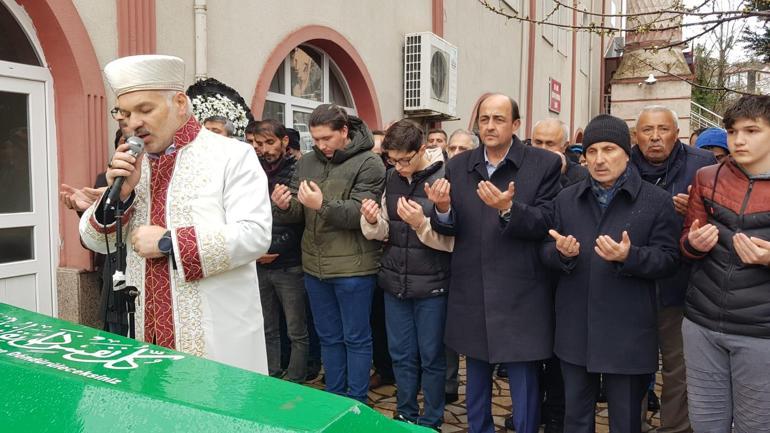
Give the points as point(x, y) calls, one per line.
point(375, 381)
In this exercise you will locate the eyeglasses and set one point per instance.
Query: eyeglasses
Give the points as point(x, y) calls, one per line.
point(403, 161)
point(119, 114)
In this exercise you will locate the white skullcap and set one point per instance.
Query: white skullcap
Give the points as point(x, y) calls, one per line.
point(145, 72)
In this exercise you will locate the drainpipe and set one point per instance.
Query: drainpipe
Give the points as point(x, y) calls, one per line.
point(201, 40)
point(530, 69)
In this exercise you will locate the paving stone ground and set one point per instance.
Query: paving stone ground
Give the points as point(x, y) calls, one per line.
point(455, 415)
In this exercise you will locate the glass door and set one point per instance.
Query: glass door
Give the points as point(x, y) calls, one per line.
point(26, 277)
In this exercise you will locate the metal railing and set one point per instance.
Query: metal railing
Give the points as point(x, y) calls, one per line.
point(702, 117)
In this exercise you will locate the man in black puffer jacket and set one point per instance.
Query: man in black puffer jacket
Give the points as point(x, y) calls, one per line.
point(414, 273)
point(280, 274)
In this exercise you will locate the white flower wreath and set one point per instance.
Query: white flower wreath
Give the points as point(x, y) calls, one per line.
point(218, 105)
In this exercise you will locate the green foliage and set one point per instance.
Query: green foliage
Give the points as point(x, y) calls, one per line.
point(758, 41)
point(705, 71)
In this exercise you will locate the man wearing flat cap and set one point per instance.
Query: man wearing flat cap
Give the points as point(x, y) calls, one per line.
point(197, 216)
point(613, 236)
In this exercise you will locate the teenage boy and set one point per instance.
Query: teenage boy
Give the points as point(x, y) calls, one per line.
point(726, 328)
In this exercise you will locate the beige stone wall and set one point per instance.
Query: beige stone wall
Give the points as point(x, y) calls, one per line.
point(551, 62)
point(628, 99)
point(242, 34)
point(79, 296)
point(100, 20)
point(241, 38)
point(490, 55)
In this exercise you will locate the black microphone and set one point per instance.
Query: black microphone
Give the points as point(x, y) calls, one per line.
point(137, 145)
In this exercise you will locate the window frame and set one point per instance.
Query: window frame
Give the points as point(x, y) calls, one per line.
point(585, 46)
point(546, 31)
point(562, 40)
point(302, 104)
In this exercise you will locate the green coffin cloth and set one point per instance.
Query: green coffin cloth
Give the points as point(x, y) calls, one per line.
point(57, 376)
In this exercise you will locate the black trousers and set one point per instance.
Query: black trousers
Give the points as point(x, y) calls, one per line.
point(114, 305)
point(552, 390)
point(624, 399)
point(383, 365)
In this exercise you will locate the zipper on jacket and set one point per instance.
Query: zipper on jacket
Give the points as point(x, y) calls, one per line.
point(412, 187)
point(732, 255)
point(315, 222)
point(407, 229)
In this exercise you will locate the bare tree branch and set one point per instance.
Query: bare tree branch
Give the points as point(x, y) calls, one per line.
point(692, 83)
point(678, 10)
point(722, 16)
point(661, 20)
point(683, 41)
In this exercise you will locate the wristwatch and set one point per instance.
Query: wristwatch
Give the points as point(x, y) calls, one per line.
point(505, 214)
point(165, 245)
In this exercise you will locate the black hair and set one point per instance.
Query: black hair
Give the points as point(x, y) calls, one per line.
point(402, 136)
point(438, 131)
point(331, 115)
point(270, 126)
point(514, 107)
point(251, 127)
point(748, 107)
point(378, 132)
point(294, 138)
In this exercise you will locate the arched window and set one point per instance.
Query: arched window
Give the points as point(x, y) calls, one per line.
point(306, 79)
point(14, 45)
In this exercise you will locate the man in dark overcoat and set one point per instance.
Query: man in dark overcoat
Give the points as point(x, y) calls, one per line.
point(494, 200)
point(613, 236)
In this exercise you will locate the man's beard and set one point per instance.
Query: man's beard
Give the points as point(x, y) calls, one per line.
point(271, 158)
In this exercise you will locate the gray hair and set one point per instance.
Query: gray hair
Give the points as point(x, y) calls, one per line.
point(658, 109)
point(229, 126)
point(562, 125)
point(474, 138)
point(170, 94)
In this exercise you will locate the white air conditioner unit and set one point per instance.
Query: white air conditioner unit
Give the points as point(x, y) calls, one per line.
point(430, 76)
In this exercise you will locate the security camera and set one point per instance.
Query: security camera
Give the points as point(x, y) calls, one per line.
point(650, 80)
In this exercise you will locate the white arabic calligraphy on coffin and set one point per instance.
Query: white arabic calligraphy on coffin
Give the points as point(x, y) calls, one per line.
point(110, 353)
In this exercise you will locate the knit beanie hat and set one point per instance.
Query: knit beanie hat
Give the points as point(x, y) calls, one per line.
point(607, 128)
point(713, 137)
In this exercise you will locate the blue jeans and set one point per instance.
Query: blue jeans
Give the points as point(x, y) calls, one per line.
point(341, 309)
point(415, 340)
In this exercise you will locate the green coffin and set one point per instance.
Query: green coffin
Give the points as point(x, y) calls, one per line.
point(57, 376)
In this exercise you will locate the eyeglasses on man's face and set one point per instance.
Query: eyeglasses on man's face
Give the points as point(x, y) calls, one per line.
point(403, 162)
point(119, 114)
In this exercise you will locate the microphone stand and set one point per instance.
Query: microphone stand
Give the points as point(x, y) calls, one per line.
point(119, 278)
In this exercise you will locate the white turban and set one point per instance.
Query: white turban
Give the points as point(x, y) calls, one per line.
point(145, 72)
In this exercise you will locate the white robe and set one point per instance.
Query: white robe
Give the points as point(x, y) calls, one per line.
point(218, 211)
